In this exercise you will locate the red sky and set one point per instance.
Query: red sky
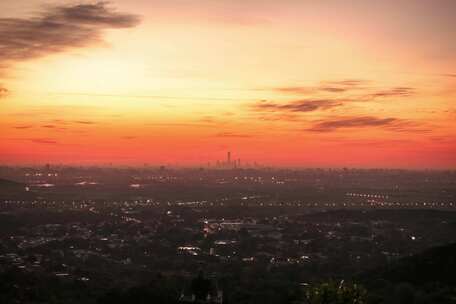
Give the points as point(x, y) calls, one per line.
point(284, 83)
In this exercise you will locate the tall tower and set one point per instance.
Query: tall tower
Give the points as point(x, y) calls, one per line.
point(228, 157)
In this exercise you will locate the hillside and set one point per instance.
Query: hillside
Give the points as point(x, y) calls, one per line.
point(11, 190)
point(428, 277)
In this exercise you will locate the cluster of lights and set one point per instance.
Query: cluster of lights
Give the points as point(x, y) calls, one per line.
point(367, 195)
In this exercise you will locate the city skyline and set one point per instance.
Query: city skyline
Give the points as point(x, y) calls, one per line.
point(285, 84)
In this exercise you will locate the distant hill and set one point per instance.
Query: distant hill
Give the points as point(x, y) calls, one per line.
point(437, 264)
point(428, 277)
point(11, 190)
point(9, 183)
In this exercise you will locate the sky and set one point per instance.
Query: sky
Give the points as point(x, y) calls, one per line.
point(293, 83)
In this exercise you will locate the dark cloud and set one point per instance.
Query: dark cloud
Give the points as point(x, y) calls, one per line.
point(352, 122)
point(58, 29)
point(48, 126)
point(98, 14)
point(232, 135)
point(302, 105)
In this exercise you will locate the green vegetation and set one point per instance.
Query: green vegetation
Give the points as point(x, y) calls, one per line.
point(335, 293)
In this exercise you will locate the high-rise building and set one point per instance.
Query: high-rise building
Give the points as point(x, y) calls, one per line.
point(228, 158)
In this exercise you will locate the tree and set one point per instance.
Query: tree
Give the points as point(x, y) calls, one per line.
point(335, 293)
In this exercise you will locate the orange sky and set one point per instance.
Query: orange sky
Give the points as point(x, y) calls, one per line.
point(284, 83)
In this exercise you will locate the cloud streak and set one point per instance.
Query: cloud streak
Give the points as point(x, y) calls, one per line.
point(341, 93)
point(298, 106)
point(232, 135)
point(84, 122)
point(339, 86)
point(353, 122)
point(393, 92)
point(23, 127)
point(46, 141)
point(346, 86)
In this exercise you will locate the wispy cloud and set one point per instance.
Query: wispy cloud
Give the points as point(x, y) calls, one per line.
point(355, 122)
point(84, 122)
point(232, 135)
point(342, 85)
point(54, 127)
point(348, 86)
point(23, 127)
point(325, 86)
point(301, 90)
point(370, 142)
point(177, 124)
point(333, 124)
point(47, 141)
point(409, 126)
point(289, 117)
point(347, 82)
point(392, 92)
point(329, 96)
point(302, 105)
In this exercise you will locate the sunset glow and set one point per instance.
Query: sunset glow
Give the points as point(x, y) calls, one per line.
point(281, 83)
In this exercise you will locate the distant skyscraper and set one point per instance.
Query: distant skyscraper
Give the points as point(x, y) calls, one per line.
point(228, 159)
